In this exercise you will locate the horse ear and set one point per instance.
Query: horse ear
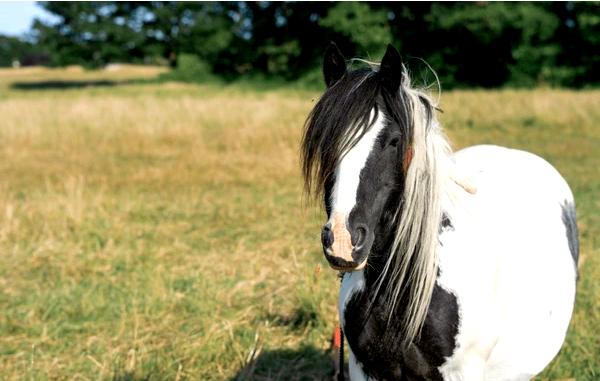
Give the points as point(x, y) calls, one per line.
point(334, 65)
point(390, 69)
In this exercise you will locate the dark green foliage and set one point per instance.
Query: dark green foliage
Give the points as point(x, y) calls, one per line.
point(365, 29)
point(482, 44)
point(10, 49)
point(13, 49)
point(190, 68)
point(91, 34)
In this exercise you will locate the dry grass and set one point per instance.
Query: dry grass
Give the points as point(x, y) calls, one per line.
point(9, 76)
point(157, 230)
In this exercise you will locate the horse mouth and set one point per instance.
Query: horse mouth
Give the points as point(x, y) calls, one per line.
point(341, 264)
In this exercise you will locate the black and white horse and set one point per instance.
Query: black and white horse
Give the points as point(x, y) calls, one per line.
point(456, 266)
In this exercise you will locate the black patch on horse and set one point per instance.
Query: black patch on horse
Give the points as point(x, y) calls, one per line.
point(383, 358)
point(376, 344)
point(569, 218)
point(446, 223)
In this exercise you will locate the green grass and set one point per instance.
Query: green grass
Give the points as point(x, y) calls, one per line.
point(157, 230)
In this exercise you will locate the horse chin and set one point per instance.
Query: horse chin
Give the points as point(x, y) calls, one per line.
point(360, 266)
point(347, 268)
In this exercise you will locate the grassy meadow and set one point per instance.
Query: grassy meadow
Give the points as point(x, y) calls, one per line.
point(157, 231)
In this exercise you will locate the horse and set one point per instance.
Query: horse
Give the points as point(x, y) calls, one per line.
point(455, 265)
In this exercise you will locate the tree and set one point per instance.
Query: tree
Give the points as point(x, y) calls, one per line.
point(468, 44)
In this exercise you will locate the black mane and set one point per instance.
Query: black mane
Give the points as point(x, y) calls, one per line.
point(341, 117)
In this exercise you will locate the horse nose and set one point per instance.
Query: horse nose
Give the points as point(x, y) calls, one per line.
point(327, 236)
point(360, 233)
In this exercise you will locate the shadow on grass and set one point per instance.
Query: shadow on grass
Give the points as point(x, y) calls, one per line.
point(65, 85)
point(305, 363)
point(301, 318)
point(244, 85)
point(130, 377)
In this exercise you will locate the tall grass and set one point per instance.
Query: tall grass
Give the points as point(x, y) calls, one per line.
point(157, 231)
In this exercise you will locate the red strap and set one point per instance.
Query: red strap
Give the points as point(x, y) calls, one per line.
point(337, 337)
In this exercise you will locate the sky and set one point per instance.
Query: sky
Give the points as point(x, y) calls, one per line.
point(16, 16)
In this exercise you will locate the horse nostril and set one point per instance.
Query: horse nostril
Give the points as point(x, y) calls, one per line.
point(359, 237)
point(326, 236)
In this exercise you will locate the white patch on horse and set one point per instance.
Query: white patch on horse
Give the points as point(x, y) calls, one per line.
point(352, 282)
point(512, 320)
point(354, 368)
point(347, 175)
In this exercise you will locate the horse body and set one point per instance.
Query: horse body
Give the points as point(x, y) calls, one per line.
point(511, 262)
point(505, 262)
point(456, 266)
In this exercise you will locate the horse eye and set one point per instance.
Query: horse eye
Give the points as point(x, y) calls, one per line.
point(394, 142)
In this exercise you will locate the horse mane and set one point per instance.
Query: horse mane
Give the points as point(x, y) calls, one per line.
point(343, 114)
point(411, 269)
point(339, 119)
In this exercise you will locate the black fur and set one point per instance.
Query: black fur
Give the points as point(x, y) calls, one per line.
point(338, 120)
point(343, 115)
point(390, 75)
point(379, 192)
point(375, 341)
point(570, 221)
point(446, 223)
point(379, 352)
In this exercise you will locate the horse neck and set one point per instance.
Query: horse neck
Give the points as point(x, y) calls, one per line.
point(375, 282)
point(382, 246)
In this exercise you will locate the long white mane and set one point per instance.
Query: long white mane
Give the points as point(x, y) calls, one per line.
point(411, 269)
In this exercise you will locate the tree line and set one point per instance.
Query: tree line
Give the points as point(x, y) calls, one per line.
point(482, 44)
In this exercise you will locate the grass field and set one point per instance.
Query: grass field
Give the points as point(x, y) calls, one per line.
point(157, 230)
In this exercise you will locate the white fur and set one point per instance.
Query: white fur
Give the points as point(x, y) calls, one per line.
point(354, 369)
point(351, 283)
point(347, 175)
point(508, 263)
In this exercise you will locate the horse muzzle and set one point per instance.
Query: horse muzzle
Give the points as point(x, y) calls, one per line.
point(344, 250)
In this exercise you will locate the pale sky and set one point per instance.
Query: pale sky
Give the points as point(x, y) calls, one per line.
point(16, 16)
